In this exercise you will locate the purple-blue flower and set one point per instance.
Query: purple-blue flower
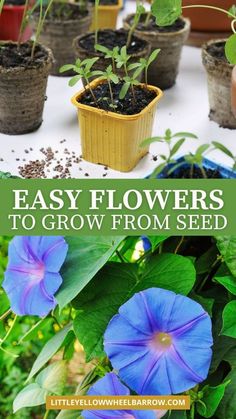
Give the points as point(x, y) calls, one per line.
point(32, 277)
point(160, 342)
point(110, 385)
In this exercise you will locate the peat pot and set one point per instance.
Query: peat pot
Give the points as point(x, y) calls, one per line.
point(219, 77)
point(22, 91)
point(58, 33)
point(113, 139)
point(164, 70)
point(119, 37)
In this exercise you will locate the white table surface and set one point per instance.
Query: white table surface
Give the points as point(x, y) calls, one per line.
point(183, 108)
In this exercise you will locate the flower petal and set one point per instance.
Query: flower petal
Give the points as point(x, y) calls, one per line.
point(53, 252)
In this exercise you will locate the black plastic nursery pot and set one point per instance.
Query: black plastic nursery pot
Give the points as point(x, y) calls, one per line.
point(170, 39)
point(219, 77)
point(84, 47)
point(63, 23)
point(23, 85)
point(212, 169)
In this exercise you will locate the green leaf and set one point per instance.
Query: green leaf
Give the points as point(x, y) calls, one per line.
point(51, 347)
point(206, 303)
point(227, 248)
point(177, 414)
point(229, 282)
point(53, 378)
point(205, 261)
point(166, 11)
point(212, 398)
point(31, 395)
point(229, 320)
point(156, 240)
point(99, 302)
point(185, 135)
point(222, 148)
point(149, 141)
point(66, 67)
point(227, 408)
point(230, 49)
point(74, 80)
point(153, 56)
point(86, 256)
point(230, 357)
point(172, 272)
point(177, 146)
point(124, 90)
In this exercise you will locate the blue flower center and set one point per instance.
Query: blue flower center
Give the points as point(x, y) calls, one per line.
point(38, 273)
point(162, 341)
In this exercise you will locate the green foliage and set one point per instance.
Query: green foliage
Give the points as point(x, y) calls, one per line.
point(211, 399)
point(227, 248)
point(229, 320)
point(166, 11)
point(50, 381)
point(86, 256)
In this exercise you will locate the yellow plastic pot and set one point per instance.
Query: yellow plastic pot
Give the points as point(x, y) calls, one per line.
point(112, 139)
point(107, 16)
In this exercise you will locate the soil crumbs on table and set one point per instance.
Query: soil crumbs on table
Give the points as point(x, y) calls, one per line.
point(133, 103)
point(110, 39)
point(185, 173)
point(11, 56)
point(217, 50)
point(177, 26)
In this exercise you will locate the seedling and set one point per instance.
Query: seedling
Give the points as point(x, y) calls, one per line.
point(194, 159)
point(110, 77)
point(226, 151)
point(166, 12)
point(172, 150)
point(144, 64)
point(96, 6)
point(140, 9)
point(109, 54)
point(84, 73)
point(122, 60)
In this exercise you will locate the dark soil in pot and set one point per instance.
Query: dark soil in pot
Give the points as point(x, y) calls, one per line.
point(130, 105)
point(63, 23)
point(23, 83)
point(84, 47)
point(170, 39)
point(219, 76)
point(185, 173)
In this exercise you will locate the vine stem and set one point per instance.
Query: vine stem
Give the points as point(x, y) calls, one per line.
point(4, 315)
point(46, 414)
point(9, 331)
point(179, 244)
point(233, 25)
point(202, 6)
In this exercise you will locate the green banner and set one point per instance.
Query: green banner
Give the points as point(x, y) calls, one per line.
point(117, 207)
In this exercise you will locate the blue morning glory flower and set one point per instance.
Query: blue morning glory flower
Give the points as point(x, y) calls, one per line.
point(146, 244)
point(160, 343)
point(32, 276)
point(110, 385)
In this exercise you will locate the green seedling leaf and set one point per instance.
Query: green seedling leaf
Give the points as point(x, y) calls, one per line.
point(74, 80)
point(211, 399)
point(166, 11)
point(229, 282)
point(153, 56)
point(67, 67)
point(152, 140)
point(229, 320)
point(222, 148)
point(185, 135)
point(124, 90)
point(177, 146)
point(230, 49)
